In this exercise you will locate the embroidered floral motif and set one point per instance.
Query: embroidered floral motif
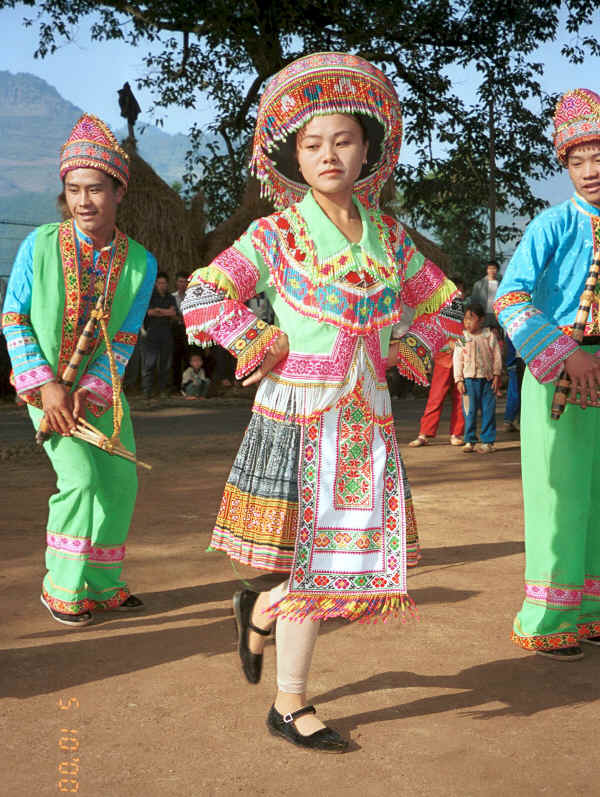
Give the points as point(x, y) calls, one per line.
point(510, 299)
point(111, 603)
point(353, 486)
point(329, 291)
point(78, 260)
point(80, 546)
point(546, 642)
point(586, 630)
point(15, 319)
point(68, 607)
point(591, 587)
point(378, 589)
point(129, 338)
point(252, 345)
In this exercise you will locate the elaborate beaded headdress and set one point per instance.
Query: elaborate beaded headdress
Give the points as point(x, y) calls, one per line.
point(576, 121)
point(91, 145)
point(320, 84)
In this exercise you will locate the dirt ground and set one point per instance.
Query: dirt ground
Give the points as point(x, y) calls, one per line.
point(155, 704)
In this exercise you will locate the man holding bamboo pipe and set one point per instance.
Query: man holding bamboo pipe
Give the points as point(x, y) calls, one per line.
point(60, 273)
point(538, 303)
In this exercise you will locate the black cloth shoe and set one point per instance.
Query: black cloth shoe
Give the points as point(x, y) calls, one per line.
point(130, 604)
point(562, 654)
point(243, 603)
point(74, 620)
point(326, 740)
point(591, 640)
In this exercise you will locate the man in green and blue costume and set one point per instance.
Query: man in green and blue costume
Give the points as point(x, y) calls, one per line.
point(537, 303)
point(60, 272)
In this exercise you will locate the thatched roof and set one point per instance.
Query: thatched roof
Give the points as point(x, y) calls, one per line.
point(429, 249)
point(251, 207)
point(156, 216)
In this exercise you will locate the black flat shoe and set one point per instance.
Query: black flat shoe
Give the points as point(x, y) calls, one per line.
point(326, 740)
point(74, 620)
point(130, 604)
point(243, 603)
point(590, 640)
point(563, 654)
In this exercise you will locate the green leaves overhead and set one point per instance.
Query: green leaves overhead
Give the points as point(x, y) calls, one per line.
point(222, 52)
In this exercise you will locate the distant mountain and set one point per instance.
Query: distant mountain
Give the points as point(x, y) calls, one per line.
point(35, 121)
point(34, 124)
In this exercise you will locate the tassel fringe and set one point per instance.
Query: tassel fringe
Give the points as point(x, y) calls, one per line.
point(442, 294)
point(365, 608)
point(214, 276)
point(255, 352)
point(410, 366)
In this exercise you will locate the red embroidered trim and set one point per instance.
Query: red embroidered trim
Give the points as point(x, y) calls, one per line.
point(72, 269)
point(546, 642)
point(129, 338)
point(15, 319)
point(509, 299)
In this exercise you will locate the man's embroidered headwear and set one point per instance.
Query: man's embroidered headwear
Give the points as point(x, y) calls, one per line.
point(91, 145)
point(321, 84)
point(576, 121)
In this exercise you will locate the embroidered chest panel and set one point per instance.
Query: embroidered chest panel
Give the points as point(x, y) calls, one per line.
point(84, 282)
point(351, 290)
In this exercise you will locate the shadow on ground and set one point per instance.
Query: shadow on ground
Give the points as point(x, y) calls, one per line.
point(525, 685)
point(63, 663)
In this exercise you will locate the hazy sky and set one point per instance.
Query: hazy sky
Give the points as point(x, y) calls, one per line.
point(89, 74)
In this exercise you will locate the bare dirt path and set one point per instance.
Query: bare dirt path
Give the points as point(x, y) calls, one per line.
point(154, 704)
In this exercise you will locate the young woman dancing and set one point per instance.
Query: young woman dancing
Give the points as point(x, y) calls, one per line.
point(318, 489)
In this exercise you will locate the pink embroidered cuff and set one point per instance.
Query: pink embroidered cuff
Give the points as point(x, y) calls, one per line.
point(100, 391)
point(427, 289)
point(547, 365)
point(34, 378)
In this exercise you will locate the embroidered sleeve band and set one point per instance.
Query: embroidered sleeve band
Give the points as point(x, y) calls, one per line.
point(252, 346)
point(414, 359)
point(539, 342)
point(30, 369)
point(233, 273)
point(203, 306)
point(210, 315)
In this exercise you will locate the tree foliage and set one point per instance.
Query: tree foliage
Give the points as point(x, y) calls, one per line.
point(223, 51)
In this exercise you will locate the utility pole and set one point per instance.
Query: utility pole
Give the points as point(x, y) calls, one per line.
point(492, 178)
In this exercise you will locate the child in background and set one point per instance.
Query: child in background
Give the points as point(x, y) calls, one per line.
point(442, 385)
point(477, 367)
point(194, 382)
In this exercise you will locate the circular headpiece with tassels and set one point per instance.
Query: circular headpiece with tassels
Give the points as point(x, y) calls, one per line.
point(321, 84)
point(576, 121)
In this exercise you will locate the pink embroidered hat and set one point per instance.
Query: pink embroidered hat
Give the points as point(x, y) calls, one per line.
point(91, 145)
point(576, 121)
point(325, 83)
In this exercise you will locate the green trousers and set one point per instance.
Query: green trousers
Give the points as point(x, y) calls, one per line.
point(561, 468)
point(88, 519)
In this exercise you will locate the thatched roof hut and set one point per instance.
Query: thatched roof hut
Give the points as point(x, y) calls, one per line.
point(429, 249)
point(156, 216)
